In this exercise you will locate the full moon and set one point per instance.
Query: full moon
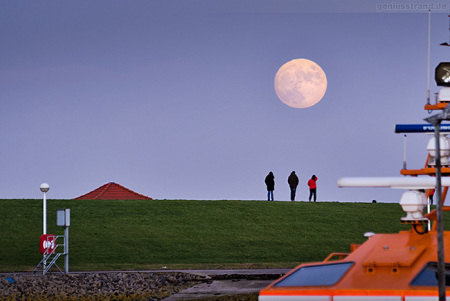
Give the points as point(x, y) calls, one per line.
point(300, 83)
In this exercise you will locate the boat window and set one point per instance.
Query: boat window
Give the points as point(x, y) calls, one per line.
point(429, 275)
point(316, 275)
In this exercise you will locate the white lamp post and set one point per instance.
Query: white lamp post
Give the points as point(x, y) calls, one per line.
point(44, 188)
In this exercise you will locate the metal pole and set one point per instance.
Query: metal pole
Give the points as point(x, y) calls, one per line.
point(66, 249)
point(404, 152)
point(440, 219)
point(45, 214)
point(44, 206)
point(428, 61)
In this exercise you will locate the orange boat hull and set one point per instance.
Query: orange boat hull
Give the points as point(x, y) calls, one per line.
point(386, 267)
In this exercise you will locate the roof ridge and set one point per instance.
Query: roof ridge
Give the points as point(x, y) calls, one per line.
point(106, 186)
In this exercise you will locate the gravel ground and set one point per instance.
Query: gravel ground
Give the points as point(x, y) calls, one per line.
point(95, 286)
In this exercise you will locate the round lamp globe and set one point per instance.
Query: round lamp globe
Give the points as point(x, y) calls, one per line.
point(44, 187)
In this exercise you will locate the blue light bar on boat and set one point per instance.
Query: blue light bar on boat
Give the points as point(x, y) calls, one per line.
point(420, 128)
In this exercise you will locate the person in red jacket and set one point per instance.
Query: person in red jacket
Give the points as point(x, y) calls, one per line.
point(431, 196)
point(312, 187)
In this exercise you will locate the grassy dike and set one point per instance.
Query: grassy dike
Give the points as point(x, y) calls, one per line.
point(123, 235)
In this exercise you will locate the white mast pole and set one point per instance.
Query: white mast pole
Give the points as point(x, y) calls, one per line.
point(44, 188)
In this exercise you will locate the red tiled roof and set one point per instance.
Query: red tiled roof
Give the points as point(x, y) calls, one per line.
point(112, 191)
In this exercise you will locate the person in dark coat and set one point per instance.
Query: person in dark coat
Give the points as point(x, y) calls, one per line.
point(270, 182)
point(293, 183)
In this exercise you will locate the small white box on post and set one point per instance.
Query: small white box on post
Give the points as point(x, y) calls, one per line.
point(63, 217)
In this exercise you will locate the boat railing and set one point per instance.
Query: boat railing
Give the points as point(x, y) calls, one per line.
point(433, 216)
point(339, 256)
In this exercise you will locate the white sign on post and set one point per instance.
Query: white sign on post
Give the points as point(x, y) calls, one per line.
point(63, 217)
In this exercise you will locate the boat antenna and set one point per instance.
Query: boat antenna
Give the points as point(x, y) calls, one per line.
point(404, 152)
point(428, 65)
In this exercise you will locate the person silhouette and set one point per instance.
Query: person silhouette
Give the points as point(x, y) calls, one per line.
point(270, 182)
point(293, 183)
point(431, 196)
point(312, 187)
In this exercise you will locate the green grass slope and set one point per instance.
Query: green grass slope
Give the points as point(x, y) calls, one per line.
point(149, 234)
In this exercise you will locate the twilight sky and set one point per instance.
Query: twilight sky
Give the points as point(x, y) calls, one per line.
point(175, 99)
